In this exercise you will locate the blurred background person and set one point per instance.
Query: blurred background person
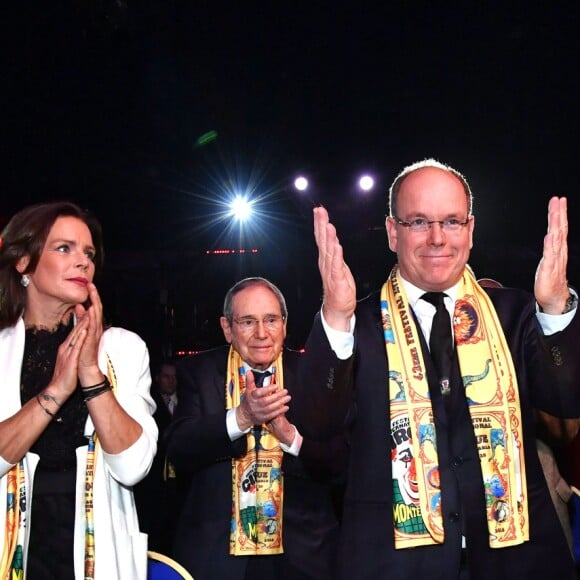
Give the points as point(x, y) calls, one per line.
point(158, 495)
point(76, 430)
point(554, 442)
point(166, 387)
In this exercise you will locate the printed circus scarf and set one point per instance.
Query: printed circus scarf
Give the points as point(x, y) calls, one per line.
point(12, 562)
point(89, 481)
point(257, 481)
point(492, 393)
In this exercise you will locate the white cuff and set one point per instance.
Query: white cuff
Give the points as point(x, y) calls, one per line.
point(552, 323)
point(294, 448)
point(341, 342)
point(232, 426)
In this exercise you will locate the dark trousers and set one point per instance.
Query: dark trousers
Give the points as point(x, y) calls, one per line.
point(274, 567)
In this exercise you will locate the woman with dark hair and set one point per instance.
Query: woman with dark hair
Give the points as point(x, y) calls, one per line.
point(76, 431)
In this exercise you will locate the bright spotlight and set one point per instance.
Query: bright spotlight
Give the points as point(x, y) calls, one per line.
point(240, 208)
point(366, 182)
point(301, 183)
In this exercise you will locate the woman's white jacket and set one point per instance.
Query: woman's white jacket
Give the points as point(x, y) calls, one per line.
point(120, 548)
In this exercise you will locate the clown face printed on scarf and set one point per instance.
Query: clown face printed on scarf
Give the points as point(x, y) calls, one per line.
point(403, 462)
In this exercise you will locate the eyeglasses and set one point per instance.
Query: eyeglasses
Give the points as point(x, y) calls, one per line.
point(423, 225)
point(250, 324)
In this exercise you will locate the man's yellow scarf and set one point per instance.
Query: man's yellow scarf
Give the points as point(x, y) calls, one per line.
point(257, 481)
point(492, 393)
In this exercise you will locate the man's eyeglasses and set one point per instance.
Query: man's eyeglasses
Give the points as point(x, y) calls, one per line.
point(250, 324)
point(423, 225)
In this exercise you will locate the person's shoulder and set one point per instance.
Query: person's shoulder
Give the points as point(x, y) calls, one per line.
point(513, 306)
point(369, 303)
point(371, 298)
point(117, 335)
point(292, 353)
point(513, 296)
point(10, 331)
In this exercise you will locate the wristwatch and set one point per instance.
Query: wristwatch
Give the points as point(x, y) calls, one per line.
point(571, 303)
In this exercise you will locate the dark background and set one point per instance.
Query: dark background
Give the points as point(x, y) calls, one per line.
point(103, 103)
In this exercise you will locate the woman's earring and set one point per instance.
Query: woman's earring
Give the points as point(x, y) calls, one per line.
point(25, 280)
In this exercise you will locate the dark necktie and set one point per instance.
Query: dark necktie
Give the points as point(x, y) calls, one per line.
point(440, 341)
point(259, 378)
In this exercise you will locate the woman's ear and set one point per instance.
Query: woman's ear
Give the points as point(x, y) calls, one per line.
point(22, 264)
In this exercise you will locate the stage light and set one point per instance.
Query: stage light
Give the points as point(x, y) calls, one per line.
point(301, 183)
point(240, 208)
point(366, 182)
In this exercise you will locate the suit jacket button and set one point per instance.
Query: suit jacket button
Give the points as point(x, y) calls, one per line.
point(330, 379)
point(453, 517)
point(557, 356)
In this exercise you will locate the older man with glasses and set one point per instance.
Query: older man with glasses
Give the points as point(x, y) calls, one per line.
point(260, 503)
point(444, 480)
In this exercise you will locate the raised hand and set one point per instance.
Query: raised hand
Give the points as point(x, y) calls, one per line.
point(88, 369)
point(261, 405)
point(65, 376)
point(337, 280)
point(551, 285)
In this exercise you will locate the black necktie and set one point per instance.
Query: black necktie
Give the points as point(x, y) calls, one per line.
point(440, 341)
point(259, 378)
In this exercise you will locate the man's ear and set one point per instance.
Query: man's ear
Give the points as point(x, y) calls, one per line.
point(471, 227)
point(392, 234)
point(226, 328)
point(22, 264)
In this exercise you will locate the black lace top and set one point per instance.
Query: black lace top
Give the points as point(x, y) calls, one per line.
point(56, 445)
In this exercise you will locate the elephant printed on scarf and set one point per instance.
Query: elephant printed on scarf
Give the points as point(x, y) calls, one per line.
point(469, 380)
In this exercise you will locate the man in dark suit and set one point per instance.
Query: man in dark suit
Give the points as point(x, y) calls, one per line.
point(260, 503)
point(444, 481)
